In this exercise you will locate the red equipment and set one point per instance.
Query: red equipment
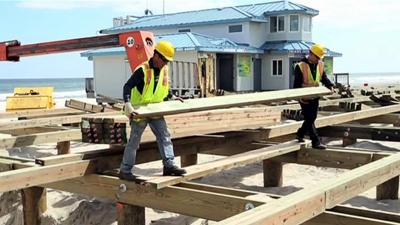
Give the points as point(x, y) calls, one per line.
point(139, 46)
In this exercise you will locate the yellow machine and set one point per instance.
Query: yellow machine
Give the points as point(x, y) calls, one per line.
point(25, 98)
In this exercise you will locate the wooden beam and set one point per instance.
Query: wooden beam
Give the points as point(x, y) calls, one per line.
point(197, 203)
point(391, 118)
point(242, 159)
point(201, 104)
point(34, 139)
point(308, 203)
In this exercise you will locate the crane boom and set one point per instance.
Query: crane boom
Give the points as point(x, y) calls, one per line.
point(139, 46)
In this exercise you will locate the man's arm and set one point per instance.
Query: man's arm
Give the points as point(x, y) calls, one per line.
point(136, 80)
point(298, 77)
point(326, 82)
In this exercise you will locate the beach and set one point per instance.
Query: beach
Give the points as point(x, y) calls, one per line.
point(67, 208)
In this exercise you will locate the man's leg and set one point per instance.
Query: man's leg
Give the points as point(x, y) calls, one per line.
point(301, 132)
point(312, 130)
point(129, 157)
point(160, 130)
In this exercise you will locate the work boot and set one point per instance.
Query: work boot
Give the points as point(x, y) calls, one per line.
point(127, 176)
point(300, 138)
point(173, 171)
point(319, 146)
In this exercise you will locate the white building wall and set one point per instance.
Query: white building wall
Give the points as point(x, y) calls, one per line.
point(270, 82)
point(111, 72)
point(214, 30)
point(287, 34)
point(258, 33)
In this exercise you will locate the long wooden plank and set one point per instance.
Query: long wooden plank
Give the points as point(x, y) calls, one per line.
point(192, 105)
point(296, 208)
point(334, 218)
point(40, 138)
point(283, 129)
point(238, 160)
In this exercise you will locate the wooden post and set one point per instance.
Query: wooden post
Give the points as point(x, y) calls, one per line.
point(34, 204)
point(346, 141)
point(63, 147)
point(188, 160)
point(272, 173)
point(130, 214)
point(388, 190)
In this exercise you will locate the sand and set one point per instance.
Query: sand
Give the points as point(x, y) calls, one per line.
point(68, 208)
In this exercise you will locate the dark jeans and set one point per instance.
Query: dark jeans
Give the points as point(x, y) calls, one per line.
point(310, 112)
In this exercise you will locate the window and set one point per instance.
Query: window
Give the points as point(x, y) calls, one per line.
point(307, 24)
point(184, 30)
point(294, 22)
point(277, 24)
point(277, 67)
point(235, 28)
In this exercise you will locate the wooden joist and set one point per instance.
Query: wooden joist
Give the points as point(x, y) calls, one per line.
point(83, 106)
point(38, 113)
point(40, 138)
point(283, 129)
point(10, 125)
point(200, 170)
point(361, 131)
point(333, 158)
point(201, 104)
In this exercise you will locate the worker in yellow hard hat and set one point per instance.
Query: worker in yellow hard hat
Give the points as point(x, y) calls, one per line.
point(149, 84)
point(309, 72)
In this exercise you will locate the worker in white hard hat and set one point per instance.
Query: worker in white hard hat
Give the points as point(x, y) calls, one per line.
point(149, 84)
point(309, 72)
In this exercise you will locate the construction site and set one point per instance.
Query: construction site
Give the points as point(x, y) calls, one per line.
point(244, 164)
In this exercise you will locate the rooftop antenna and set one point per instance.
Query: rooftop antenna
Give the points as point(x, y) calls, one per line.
point(163, 7)
point(147, 11)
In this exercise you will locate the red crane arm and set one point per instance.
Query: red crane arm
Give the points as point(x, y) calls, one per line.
point(139, 46)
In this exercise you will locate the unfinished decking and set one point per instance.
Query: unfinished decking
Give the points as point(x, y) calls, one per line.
point(242, 142)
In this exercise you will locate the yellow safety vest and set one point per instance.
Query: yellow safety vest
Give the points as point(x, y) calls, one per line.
point(148, 95)
point(308, 80)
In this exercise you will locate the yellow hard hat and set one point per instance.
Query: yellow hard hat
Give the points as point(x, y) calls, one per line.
point(318, 50)
point(166, 49)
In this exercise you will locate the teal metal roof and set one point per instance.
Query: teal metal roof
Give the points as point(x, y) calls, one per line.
point(301, 47)
point(256, 12)
point(187, 42)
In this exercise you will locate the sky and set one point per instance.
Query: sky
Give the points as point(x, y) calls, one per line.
point(366, 32)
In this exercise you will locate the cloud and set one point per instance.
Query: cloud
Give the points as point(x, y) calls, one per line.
point(373, 15)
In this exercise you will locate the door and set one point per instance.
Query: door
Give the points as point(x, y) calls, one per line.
point(225, 72)
point(292, 63)
point(257, 74)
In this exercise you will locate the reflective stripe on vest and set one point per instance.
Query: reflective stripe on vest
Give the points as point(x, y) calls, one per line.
point(308, 79)
point(149, 95)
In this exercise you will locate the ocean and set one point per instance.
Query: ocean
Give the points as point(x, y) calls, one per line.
point(378, 79)
point(75, 87)
point(63, 87)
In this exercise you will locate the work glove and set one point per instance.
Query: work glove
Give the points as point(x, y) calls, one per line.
point(128, 110)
